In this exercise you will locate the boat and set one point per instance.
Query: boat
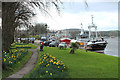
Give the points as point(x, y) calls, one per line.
point(82, 34)
point(94, 43)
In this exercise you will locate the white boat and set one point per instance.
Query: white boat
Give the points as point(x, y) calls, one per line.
point(94, 43)
point(82, 34)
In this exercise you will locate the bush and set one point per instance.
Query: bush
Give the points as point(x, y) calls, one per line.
point(74, 46)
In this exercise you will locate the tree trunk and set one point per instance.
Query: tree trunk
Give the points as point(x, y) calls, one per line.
point(8, 18)
point(72, 51)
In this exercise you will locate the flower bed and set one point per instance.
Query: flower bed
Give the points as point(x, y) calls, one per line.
point(14, 56)
point(15, 45)
point(49, 67)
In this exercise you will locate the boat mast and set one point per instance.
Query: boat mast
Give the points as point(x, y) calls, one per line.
point(92, 26)
point(82, 30)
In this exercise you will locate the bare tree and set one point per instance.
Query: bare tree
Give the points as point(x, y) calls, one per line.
point(19, 13)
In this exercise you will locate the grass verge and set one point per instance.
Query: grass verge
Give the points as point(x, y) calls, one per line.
point(86, 64)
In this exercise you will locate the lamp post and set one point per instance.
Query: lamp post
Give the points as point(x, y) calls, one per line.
point(46, 31)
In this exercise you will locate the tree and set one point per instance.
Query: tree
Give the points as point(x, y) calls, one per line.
point(15, 14)
point(40, 28)
point(18, 13)
point(74, 46)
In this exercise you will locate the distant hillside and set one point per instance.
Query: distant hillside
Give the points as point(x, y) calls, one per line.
point(109, 33)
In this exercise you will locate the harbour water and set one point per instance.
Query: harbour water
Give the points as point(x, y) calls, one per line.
point(112, 47)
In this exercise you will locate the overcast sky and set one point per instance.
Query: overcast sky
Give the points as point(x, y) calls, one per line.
point(74, 13)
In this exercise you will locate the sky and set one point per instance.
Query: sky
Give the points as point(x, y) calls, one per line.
point(73, 13)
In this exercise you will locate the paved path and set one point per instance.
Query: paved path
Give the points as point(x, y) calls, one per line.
point(27, 68)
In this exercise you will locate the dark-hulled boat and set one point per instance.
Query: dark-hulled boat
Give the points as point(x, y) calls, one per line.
point(94, 43)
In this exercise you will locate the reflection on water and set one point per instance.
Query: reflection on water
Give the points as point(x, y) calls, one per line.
point(112, 46)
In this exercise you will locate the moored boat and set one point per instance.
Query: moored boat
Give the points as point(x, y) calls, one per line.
point(94, 43)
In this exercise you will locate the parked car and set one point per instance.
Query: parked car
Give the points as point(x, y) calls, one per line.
point(62, 45)
point(46, 43)
point(53, 44)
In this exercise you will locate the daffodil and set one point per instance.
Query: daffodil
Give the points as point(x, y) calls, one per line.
point(40, 63)
point(51, 74)
point(46, 71)
point(9, 62)
point(54, 62)
point(4, 59)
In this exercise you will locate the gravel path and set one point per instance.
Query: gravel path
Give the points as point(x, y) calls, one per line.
point(27, 68)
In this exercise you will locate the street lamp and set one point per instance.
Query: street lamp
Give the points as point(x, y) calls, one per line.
point(46, 31)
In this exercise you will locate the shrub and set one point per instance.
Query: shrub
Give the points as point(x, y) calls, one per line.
point(74, 46)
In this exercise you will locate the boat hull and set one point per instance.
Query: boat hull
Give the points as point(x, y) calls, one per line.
point(93, 47)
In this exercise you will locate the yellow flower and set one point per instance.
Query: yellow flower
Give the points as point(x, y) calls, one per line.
point(58, 66)
point(54, 63)
point(4, 59)
point(47, 53)
point(46, 71)
point(62, 70)
point(40, 75)
point(11, 62)
point(51, 60)
point(64, 67)
point(57, 63)
point(51, 74)
point(40, 63)
point(45, 57)
point(53, 57)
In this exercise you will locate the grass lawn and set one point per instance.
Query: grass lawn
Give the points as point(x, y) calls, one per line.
point(86, 64)
point(17, 66)
point(32, 46)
